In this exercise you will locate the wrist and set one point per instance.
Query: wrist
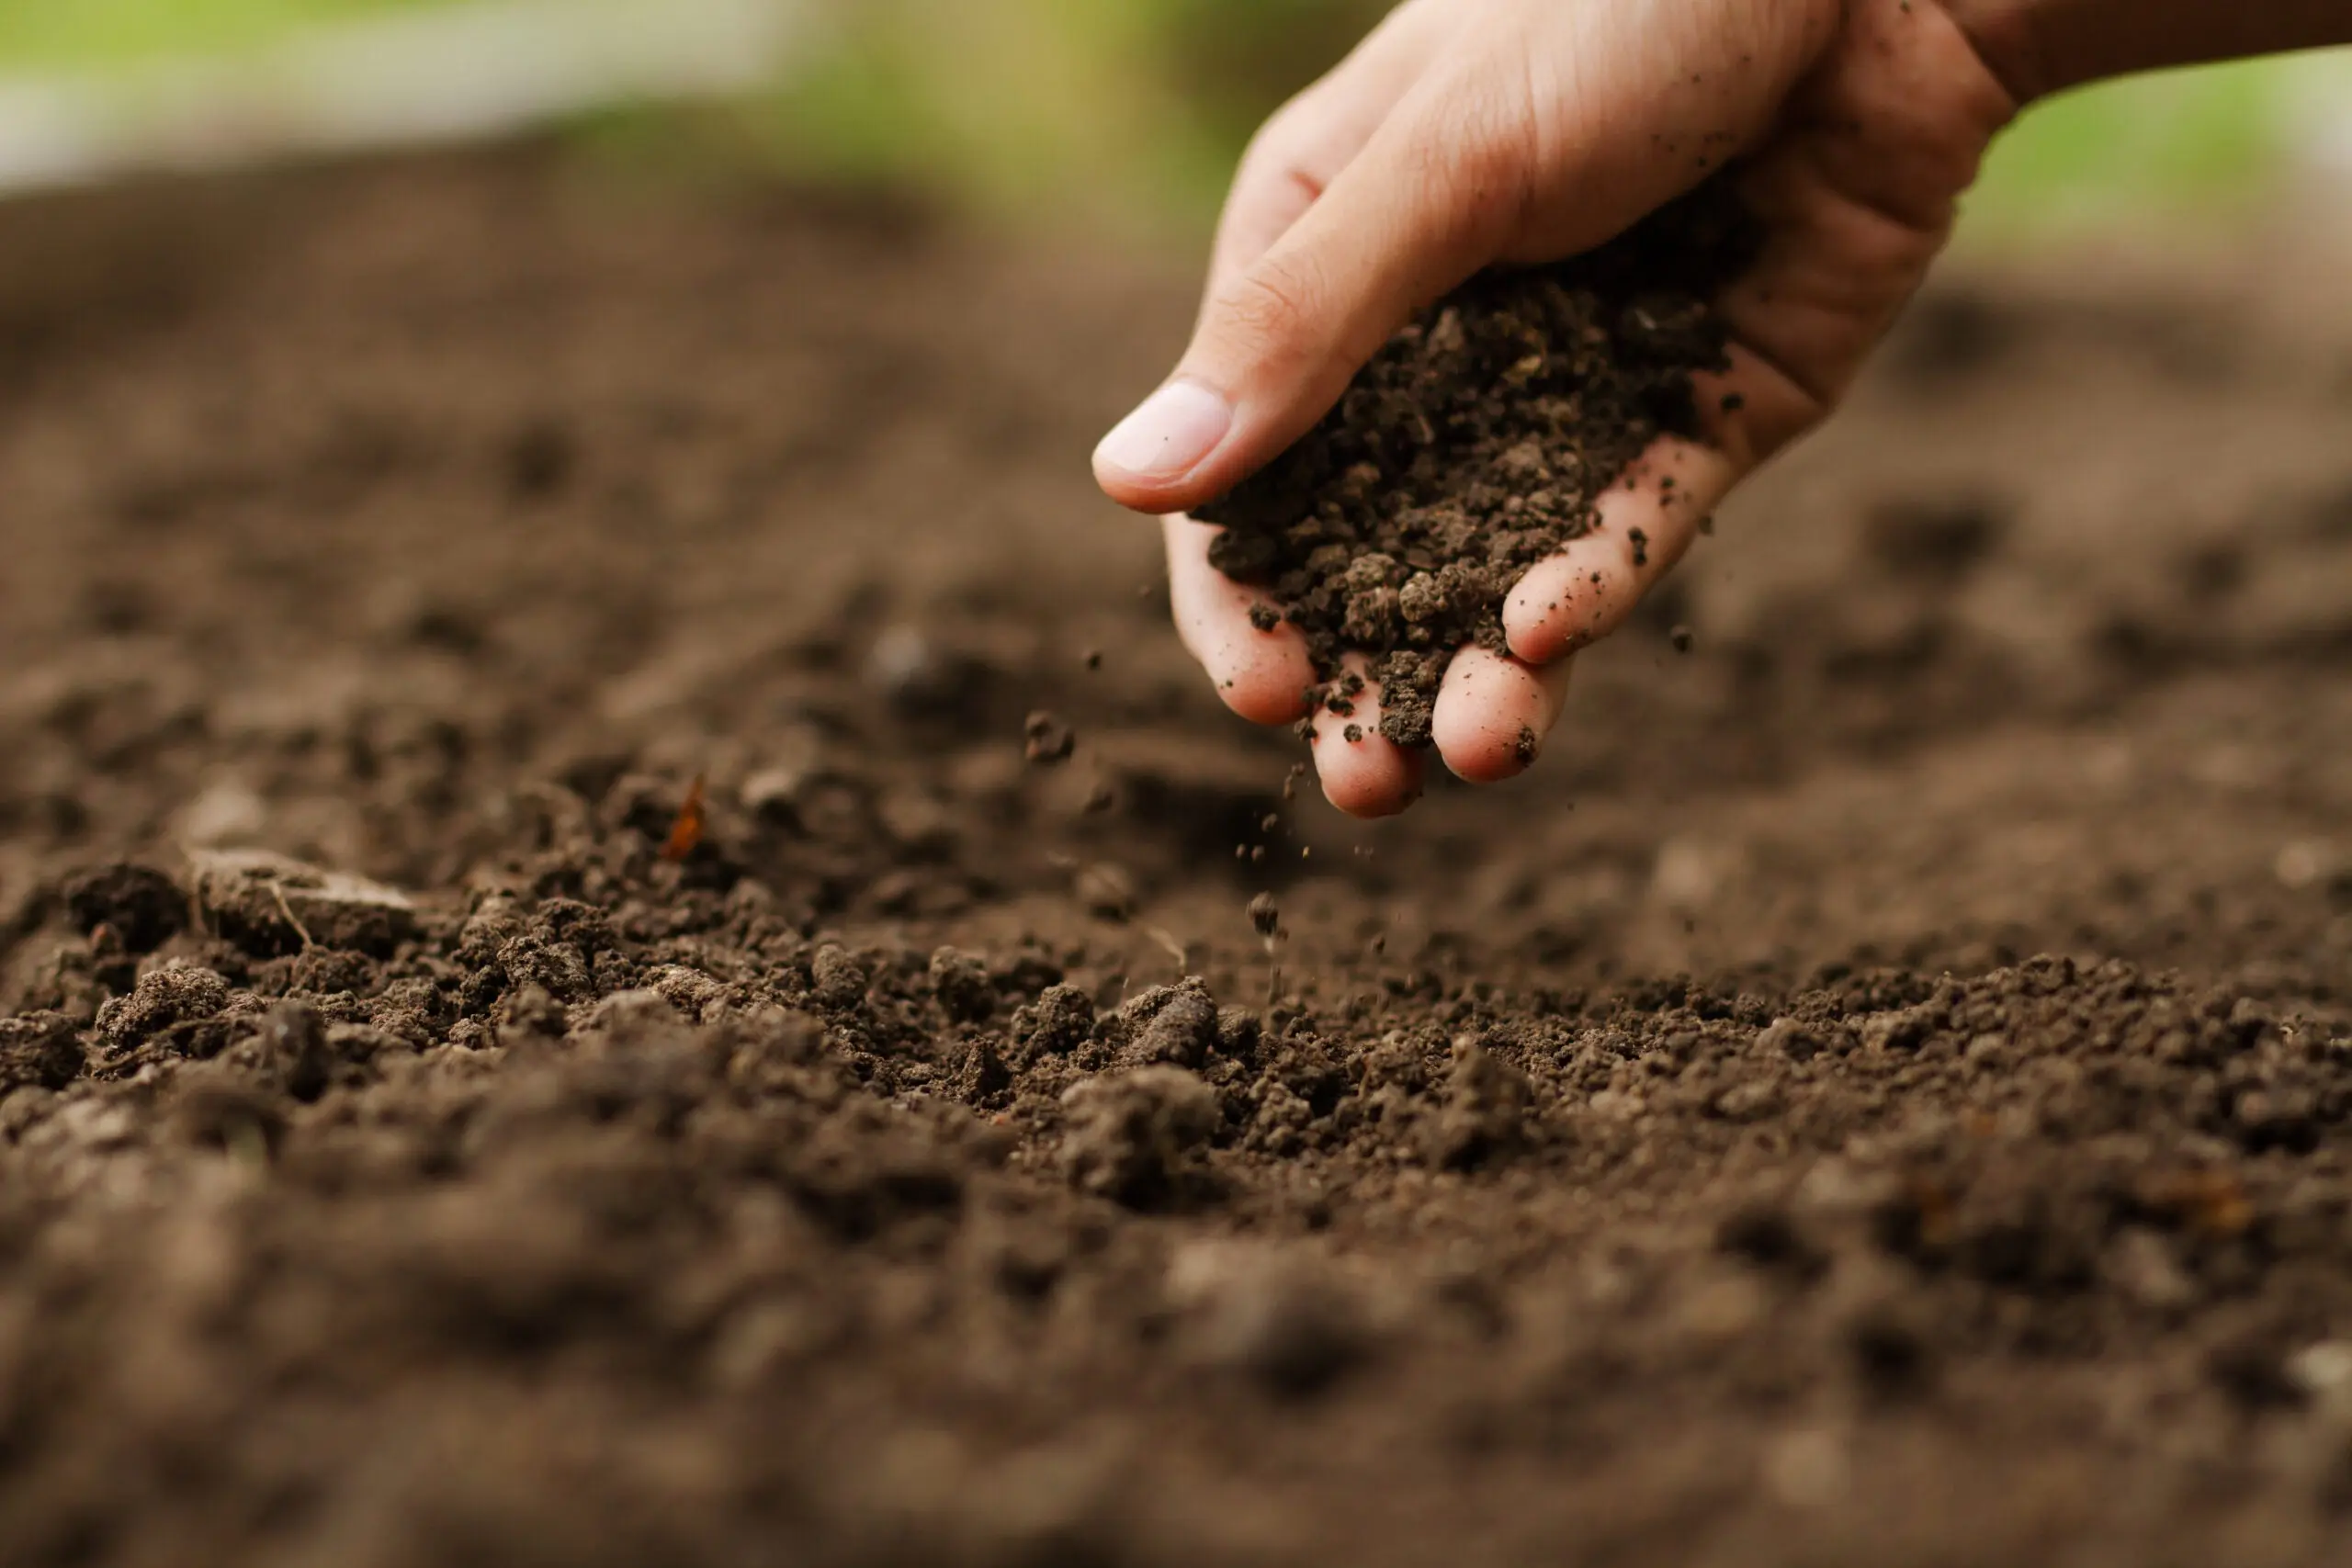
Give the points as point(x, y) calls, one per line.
point(2041, 47)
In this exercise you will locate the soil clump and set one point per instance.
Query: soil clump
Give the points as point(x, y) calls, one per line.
point(1475, 445)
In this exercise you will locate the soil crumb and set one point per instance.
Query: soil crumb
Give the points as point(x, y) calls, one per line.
point(1048, 741)
point(1474, 445)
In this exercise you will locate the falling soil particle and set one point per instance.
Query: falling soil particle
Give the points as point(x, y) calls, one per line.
point(1265, 914)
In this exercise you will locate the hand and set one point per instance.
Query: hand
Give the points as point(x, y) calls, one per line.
point(1467, 133)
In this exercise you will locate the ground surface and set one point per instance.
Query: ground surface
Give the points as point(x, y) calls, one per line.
point(1877, 1094)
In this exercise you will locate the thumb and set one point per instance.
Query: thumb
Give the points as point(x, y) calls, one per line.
point(1417, 211)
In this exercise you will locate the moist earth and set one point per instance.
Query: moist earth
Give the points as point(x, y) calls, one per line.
point(1474, 445)
point(627, 938)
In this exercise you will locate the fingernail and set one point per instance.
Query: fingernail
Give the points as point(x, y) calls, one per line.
point(1177, 427)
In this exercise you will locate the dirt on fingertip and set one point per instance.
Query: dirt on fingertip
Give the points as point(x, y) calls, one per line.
point(1475, 445)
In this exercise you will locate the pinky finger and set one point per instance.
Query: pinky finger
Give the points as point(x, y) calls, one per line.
point(1364, 773)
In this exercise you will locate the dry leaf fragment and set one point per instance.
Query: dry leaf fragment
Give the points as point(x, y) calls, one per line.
point(686, 832)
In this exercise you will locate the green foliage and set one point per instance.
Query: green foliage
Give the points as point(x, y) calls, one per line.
point(1142, 106)
point(1146, 104)
point(53, 34)
point(2151, 145)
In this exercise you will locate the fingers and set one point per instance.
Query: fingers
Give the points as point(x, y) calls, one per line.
point(1647, 521)
point(1293, 161)
point(1264, 676)
point(1493, 713)
point(1261, 675)
point(1430, 199)
point(1364, 773)
point(1650, 516)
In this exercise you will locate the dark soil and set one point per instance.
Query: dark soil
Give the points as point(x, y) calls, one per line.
point(1879, 1094)
point(1472, 446)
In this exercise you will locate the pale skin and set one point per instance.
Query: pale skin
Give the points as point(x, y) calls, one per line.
point(1464, 134)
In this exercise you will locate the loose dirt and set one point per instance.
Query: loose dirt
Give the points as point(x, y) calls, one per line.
point(1474, 446)
point(1878, 1093)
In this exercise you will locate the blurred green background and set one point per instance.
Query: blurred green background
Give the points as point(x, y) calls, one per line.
point(1140, 106)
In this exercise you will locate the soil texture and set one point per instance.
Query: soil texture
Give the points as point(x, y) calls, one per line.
point(1474, 445)
point(625, 939)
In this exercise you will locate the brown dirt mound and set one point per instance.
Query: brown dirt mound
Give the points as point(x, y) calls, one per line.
point(1882, 1094)
point(1474, 446)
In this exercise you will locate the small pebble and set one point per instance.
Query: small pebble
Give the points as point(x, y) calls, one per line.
point(1050, 741)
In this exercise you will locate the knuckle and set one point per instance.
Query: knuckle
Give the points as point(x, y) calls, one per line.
point(1270, 312)
point(1262, 166)
point(1292, 145)
point(1284, 139)
point(1479, 176)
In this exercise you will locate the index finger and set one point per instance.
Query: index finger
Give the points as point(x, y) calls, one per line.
point(1307, 144)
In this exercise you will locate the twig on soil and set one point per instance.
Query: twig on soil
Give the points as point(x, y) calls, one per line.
point(278, 891)
point(1170, 946)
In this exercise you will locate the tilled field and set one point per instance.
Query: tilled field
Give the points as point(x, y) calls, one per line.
point(1877, 1094)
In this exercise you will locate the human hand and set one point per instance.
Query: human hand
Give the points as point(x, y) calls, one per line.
point(1469, 133)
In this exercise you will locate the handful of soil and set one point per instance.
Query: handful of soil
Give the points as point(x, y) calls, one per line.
point(1474, 445)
